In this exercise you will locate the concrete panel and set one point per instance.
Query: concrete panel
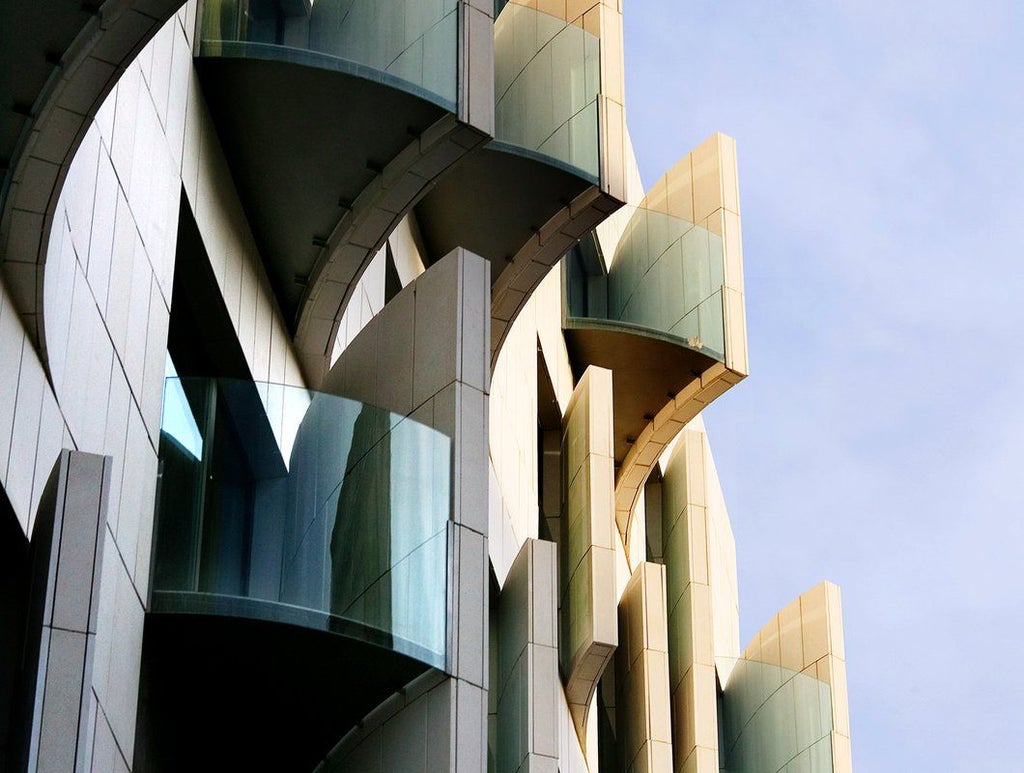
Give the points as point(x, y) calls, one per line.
point(84, 514)
point(641, 673)
point(151, 395)
point(181, 66)
point(12, 339)
point(471, 450)
point(61, 703)
point(58, 288)
point(395, 354)
point(440, 743)
point(699, 563)
point(133, 356)
point(61, 650)
point(403, 740)
point(103, 221)
point(48, 447)
point(412, 730)
point(438, 340)
point(104, 748)
point(469, 645)
point(528, 684)
point(79, 191)
point(470, 728)
point(588, 597)
point(125, 662)
point(122, 261)
point(140, 462)
point(25, 436)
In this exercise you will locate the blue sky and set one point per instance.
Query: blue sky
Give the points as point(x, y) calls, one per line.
point(879, 441)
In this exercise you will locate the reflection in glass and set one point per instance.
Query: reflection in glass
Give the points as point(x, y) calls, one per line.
point(349, 523)
point(411, 43)
point(776, 719)
point(547, 78)
point(178, 420)
point(666, 278)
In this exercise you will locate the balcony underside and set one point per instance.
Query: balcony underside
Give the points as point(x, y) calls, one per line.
point(494, 202)
point(648, 373)
point(229, 693)
point(520, 210)
point(303, 142)
point(44, 31)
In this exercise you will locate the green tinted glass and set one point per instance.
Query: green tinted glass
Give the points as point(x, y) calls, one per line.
point(665, 279)
point(547, 78)
point(410, 43)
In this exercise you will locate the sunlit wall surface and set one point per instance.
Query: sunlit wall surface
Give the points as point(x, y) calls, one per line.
point(547, 74)
point(697, 548)
point(350, 534)
point(589, 632)
point(412, 44)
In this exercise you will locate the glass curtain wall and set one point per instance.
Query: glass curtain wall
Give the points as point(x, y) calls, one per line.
point(342, 514)
point(665, 280)
point(411, 43)
point(547, 76)
point(775, 719)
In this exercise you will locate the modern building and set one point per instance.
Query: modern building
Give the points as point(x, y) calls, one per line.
point(350, 404)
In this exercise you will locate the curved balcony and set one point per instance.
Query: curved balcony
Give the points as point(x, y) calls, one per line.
point(547, 78)
point(785, 702)
point(300, 536)
point(657, 297)
point(336, 117)
point(776, 719)
point(554, 168)
point(408, 45)
point(665, 283)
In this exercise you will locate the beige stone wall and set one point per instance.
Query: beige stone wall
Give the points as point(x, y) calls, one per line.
point(700, 562)
point(589, 632)
point(513, 419)
point(643, 716)
point(526, 688)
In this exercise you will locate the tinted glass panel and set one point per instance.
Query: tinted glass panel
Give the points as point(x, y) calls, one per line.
point(310, 500)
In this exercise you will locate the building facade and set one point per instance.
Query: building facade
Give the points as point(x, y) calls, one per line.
point(350, 404)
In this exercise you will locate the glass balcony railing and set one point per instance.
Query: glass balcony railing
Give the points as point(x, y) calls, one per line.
point(546, 80)
point(775, 719)
point(411, 44)
point(288, 505)
point(665, 280)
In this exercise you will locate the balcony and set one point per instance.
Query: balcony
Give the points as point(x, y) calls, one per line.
point(655, 294)
point(554, 169)
point(547, 80)
point(336, 117)
point(665, 283)
point(776, 719)
point(299, 537)
point(409, 45)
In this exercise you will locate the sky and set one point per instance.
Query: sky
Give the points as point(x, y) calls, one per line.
point(879, 440)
